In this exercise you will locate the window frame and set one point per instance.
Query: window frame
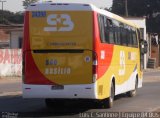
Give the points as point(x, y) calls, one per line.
point(123, 34)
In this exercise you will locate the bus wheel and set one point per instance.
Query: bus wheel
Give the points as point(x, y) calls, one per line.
point(133, 92)
point(108, 102)
point(51, 103)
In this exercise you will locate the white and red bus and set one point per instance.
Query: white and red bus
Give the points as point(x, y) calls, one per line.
point(77, 51)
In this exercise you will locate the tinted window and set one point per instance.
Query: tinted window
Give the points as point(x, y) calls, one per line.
point(123, 36)
point(110, 31)
point(115, 32)
point(101, 28)
point(106, 29)
point(135, 43)
point(130, 40)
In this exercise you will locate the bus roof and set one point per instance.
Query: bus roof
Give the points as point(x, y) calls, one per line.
point(47, 6)
point(59, 7)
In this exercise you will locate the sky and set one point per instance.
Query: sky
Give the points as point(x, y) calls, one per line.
point(16, 5)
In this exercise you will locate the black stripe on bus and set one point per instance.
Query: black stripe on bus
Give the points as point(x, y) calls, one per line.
point(58, 51)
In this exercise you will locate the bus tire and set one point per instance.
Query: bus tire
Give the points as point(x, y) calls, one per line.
point(108, 102)
point(133, 93)
point(51, 103)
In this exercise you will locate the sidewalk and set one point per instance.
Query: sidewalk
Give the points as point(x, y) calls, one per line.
point(152, 70)
point(4, 80)
point(10, 86)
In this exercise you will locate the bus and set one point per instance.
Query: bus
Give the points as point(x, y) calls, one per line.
point(75, 51)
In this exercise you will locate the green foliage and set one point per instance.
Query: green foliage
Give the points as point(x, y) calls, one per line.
point(7, 17)
point(140, 8)
point(118, 7)
point(135, 7)
point(26, 3)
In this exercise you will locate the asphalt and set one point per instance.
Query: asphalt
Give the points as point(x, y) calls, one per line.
point(151, 70)
point(10, 86)
point(147, 100)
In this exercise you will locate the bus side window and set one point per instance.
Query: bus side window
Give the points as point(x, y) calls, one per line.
point(134, 36)
point(101, 28)
point(139, 34)
point(123, 36)
point(106, 29)
point(126, 35)
point(135, 42)
point(116, 32)
point(130, 40)
point(110, 31)
point(116, 35)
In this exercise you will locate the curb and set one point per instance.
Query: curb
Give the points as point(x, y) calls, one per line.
point(151, 70)
point(3, 94)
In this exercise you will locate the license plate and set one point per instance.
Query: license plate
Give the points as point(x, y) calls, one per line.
point(57, 87)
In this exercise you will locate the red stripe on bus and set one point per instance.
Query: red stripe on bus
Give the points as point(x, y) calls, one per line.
point(26, 43)
point(103, 64)
point(33, 75)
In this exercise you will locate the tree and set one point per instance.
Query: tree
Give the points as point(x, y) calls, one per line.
point(26, 3)
point(141, 8)
point(11, 17)
point(118, 7)
point(135, 7)
point(17, 18)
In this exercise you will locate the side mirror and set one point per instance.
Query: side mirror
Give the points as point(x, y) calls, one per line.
point(144, 46)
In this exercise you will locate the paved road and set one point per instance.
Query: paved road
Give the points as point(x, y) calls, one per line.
point(147, 100)
point(152, 74)
point(10, 86)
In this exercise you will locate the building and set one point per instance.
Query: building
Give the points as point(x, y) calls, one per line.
point(154, 50)
point(11, 36)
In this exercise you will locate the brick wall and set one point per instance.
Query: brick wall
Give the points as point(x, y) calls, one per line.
point(4, 37)
point(155, 54)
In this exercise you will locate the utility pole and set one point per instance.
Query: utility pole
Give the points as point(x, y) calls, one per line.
point(2, 1)
point(126, 8)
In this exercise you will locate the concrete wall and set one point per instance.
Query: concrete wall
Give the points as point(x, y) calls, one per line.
point(10, 62)
point(15, 35)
